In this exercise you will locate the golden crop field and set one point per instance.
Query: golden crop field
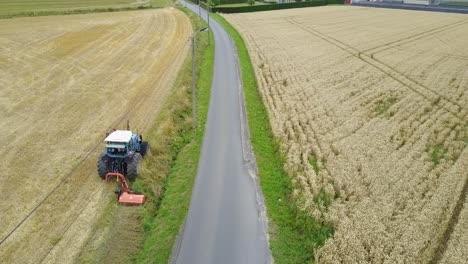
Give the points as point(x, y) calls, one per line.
point(65, 81)
point(371, 107)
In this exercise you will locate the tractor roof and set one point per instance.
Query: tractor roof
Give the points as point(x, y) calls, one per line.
point(123, 136)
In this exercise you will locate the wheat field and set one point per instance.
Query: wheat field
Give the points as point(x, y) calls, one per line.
point(66, 81)
point(371, 107)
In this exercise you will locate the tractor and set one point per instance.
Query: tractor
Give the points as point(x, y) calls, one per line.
point(121, 158)
point(123, 153)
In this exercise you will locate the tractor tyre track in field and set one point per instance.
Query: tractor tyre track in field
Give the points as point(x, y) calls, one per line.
point(418, 36)
point(447, 55)
point(72, 223)
point(391, 72)
point(444, 241)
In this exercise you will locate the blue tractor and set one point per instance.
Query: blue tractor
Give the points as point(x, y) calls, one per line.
point(123, 153)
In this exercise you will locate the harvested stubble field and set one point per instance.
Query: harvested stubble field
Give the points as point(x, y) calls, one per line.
point(371, 108)
point(65, 81)
point(8, 7)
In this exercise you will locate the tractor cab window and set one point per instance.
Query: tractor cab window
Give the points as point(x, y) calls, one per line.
point(115, 147)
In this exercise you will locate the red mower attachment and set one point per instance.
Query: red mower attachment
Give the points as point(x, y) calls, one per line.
point(126, 196)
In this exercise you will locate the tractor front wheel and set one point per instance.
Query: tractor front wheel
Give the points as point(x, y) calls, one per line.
point(133, 168)
point(102, 166)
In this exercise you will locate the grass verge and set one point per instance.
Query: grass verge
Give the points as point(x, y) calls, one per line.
point(294, 234)
point(162, 218)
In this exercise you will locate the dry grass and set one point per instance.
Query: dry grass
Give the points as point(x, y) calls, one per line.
point(66, 80)
point(371, 108)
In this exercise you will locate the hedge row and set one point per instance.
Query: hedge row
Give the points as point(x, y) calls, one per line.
point(221, 2)
point(255, 8)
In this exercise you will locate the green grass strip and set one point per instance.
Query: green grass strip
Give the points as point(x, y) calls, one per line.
point(163, 220)
point(293, 234)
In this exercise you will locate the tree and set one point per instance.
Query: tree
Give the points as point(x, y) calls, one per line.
point(251, 2)
point(213, 3)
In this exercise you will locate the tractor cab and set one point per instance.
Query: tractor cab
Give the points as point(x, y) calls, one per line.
point(119, 143)
point(123, 152)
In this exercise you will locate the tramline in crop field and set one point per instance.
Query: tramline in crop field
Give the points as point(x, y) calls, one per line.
point(371, 107)
point(65, 81)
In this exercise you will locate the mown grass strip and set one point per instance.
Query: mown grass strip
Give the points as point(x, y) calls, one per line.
point(164, 217)
point(293, 233)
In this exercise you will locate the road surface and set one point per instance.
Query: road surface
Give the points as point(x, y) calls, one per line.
point(226, 221)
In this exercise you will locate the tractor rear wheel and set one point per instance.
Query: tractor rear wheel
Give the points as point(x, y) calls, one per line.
point(102, 166)
point(144, 148)
point(133, 168)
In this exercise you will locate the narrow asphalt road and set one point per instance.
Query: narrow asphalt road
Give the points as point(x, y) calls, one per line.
point(226, 221)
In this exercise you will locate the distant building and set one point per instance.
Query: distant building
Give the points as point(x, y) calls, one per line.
point(416, 2)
